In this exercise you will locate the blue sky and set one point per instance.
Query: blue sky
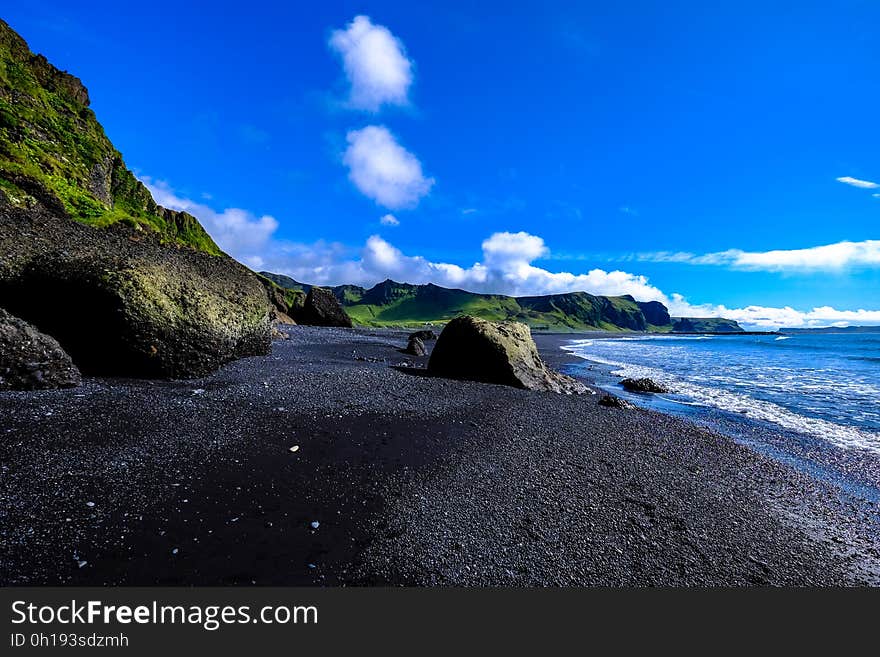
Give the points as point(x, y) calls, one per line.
point(691, 152)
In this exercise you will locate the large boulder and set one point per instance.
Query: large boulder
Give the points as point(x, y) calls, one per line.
point(122, 302)
point(30, 360)
point(322, 308)
point(492, 352)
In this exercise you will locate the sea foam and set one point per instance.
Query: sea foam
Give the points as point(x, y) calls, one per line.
point(739, 402)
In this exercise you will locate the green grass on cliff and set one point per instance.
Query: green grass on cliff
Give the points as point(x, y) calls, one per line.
point(705, 325)
point(54, 152)
point(294, 297)
point(404, 305)
point(399, 305)
point(414, 311)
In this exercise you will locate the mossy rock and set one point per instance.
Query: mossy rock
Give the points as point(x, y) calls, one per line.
point(495, 352)
point(322, 308)
point(123, 303)
point(415, 346)
point(287, 302)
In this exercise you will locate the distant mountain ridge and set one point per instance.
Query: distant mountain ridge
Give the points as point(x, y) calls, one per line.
point(834, 329)
point(390, 303)
point(705, 325)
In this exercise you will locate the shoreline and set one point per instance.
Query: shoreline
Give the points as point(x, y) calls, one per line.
point(413, 480)
point(864, 462)
point(850, 475)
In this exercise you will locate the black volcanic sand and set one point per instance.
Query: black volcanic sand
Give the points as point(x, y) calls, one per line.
point(411, 479)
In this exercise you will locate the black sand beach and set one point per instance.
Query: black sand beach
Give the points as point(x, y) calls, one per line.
point(398, 479)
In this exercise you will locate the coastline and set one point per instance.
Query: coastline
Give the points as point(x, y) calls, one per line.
point(412, 480)
point(848, 476)
point(855, 470)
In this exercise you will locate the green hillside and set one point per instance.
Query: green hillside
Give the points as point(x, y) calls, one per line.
point(401, 304)
point(578, 310)
point(285, 281)
point(704, 325)
point(54, 153)
point(393, 304)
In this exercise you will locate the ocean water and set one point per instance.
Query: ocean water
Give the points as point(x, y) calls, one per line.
point(826, 386)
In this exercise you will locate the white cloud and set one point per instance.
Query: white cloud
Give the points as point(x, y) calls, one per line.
point(375, 63)
point(383, 170)
point(513, 251)
point(817, 258)
point(769, 318)
point(506, 268)
point(855, 182)
point(389, 220)
point(238, 232)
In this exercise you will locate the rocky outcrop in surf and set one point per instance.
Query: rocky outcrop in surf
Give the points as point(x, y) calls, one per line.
point(642, 385)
